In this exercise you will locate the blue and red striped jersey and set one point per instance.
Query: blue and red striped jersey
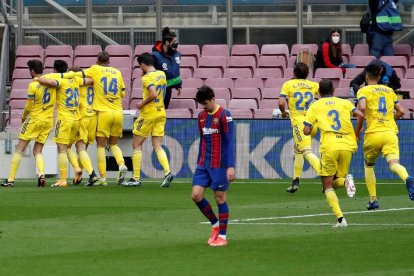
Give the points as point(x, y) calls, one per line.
point(216, 139)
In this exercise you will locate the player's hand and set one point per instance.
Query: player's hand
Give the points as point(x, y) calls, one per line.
point(285, 114)
point(179, 91)
point(140, 105)
point(230, 174)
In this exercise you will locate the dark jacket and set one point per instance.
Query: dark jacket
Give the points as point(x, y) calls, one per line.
point(394, 80)
point(325, 57)
point(169, 64)
point(373, 9)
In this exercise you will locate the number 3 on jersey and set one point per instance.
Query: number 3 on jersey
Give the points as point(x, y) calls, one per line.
point(335, 118)
point(112, 87)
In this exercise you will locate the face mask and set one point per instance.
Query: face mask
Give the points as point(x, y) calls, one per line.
point(335, 39)
point(174, 46)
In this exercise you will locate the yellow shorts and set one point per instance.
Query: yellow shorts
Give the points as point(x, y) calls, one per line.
point(63, 131)
point(385, 142)
point(87, 129)
point(109, 123)
point(37, 130)
point(335, 163)
point(74, 134)
point(302, 141)
point(145, 126)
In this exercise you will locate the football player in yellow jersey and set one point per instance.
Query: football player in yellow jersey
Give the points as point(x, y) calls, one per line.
point(151, 120)
point(378, 103)
point(338, 143)
point(67, 106)
point(109, 89)
point(37, 122)
point(299, 93)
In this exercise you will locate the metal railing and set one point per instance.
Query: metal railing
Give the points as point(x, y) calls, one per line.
point(4, 70)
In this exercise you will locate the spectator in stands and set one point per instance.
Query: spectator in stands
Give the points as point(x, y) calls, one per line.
point(379, 41)
point(330, 53)
point(167, 59)
point(388, 76)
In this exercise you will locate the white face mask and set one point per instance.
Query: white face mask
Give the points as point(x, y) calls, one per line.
point(335, 39)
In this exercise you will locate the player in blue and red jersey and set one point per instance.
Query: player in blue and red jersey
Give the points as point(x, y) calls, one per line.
point(215, 163)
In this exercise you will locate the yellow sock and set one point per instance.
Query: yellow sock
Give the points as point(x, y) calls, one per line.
point(371, 182)
point(73, 159)
point(101, 161)
point(85, 161)
point(80, 162)
point(162, 158)
point(338, 183)
point(298, 165)
point(399, 170)
point(313, 161)
point(136, 163)
point(63, 165)
point(40, 164)
point(117, 153)
point(333, 202)
point(17, 158)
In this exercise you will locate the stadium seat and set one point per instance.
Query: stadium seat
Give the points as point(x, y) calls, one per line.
point(342, 92)
point(249, 83)
point(400, 72)
point(334, 74)
point(402, 50)
point(271, 93)
point(205, 73)
point(361, 61)
point(192, 83)
point(186, 93)
point(21, 62)
point(121, 62)
point(344, 83)
point(296, 48)
point(360, 50)
point(315, 79)
point(84, 62)
point(288, 73)
point(212, 62)
point(87, 50)
point(137, 73)
point(246, 93)
point(268, 104)
point(407, 104)
point(219, 83)
point(185, 73)
point(242, 62)
point(405, 84)
point(137, 83)
point(396, 62)
point(243, 104)
point(219, 101)
point(140, 49)
point(17, 105)
point(119, 51)
point(188, 62)
point(49, 61)
point(275, 50)
point(412, 62)
point(59, 51)
point(136, 93)
point(347, 51)
point(409, 74)
point(265, 73)
point(291, 62)
point(33, 51)
point(182, 103)
point(133, 103)
point(126, 73)
point(263, 113)
point(178, 113)
point(235, 73)
point(18, 93)
point(351, 73)
point(189, 51)
point(21, 83)
point(224, 94)
point(197, 112)
point(272, 62)
point(21, 74)
point(275, 82)
point(245, 50)
point(242, 113)
point(221, 50)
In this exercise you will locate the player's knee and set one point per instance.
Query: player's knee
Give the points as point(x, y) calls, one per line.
point(220, 198)
point(196, 197)
point(296, 150)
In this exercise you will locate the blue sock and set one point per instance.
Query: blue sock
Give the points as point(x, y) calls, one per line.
point(207, 211)
point(223, 217)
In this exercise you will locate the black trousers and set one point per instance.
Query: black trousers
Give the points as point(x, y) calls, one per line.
point(168, 93)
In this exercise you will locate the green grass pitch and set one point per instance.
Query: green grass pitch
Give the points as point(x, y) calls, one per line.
point(153, 231)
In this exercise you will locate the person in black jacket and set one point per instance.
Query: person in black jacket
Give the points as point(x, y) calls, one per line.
point(388, 76)
point(168, 59)
point(379, 41)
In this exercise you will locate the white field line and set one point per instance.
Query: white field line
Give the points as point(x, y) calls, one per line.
point(315, 215)
point(320, 224)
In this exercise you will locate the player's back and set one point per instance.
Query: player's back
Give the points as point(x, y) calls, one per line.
point(109, 87)
point(159, 81)
point(86, 97)
point(380, 101)
point(333, 117)
point(300, 94)
point(44, 100)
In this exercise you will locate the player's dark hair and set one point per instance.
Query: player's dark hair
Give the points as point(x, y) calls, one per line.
point(60, 66)
point(103, 57)
point(75, 69)
point(301, 70)
point(167, 35)
point(35, 65)
point(373, 71)
point(204, 93)
point(146, 59)
point(326, 87)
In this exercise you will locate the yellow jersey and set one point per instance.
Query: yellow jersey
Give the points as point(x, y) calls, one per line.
point(300, 94)
point(158, 80)
point(86, 97)
point(44, 100)
point(108, 86)
point(66, 98)
point(333, 117)
point(379, 111)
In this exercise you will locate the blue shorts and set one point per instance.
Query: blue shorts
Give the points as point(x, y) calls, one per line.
point(216, 179)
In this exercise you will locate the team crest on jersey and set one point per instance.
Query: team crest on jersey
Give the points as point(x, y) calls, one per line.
point(215, 120)
point(177, 60)
point(164, 66)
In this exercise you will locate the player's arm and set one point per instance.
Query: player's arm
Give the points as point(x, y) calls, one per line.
point(151, 96)
point(228, 135)
point(47, 82)
point(360, 120)
point(70, 75)
point(309, 122)
point(362, 107)
point(399, 111)
point(28, 107)
point(282, 106)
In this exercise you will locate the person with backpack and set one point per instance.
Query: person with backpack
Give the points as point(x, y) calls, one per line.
point(330, 53)
point(385, 19)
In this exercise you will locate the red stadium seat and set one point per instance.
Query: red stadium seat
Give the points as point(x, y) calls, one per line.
point(361, 61)
point(182, 103)
point(272, 62)
point(140, 49)
point(136, 93)
point(268, 104)
point(21, 74)
point(21, 83)
point(119, 51)
point(264, 113)
point(249, 83)
point(21, 62)
point(185, 73)
point(59, 51)
point(360, 50)
point(347, 51)
point(192, 83)
point(235, 73)
point(334, 74)
point(189, 50)
point(205, 73)
point(241, 113)
point(407, 104)
point(400, 72)
point(344, 83)
point(186, 93)
point(405, 84)
point(288, 73)
point(351, 73)
point(409, 74)
point(246, 93)
point(245, 50)
point(265, 73)
point(33, 51)
point(242, 62)
point(275, 82)
point(271, 93)
point(212, 62)
point(220, 83)
point(402, 50)
point(291, 62)
point(342, 92)
point(215, 50)
point(87, 50)
point(188, 62)
point(121, 62)
point(18, 93)
point(224, 94)
point(275, 50)
point(243, 104)
point(178, 113)
point(396, 62)
point(84, 62)
point(137, 83)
